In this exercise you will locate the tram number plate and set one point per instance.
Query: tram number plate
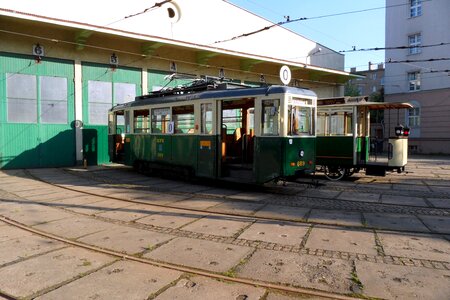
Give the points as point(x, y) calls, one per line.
point(301, 163)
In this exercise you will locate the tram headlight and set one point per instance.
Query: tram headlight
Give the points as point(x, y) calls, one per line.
point(301, 153)
point(399, 130)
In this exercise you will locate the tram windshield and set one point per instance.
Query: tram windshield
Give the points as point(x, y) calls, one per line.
point(300, 120)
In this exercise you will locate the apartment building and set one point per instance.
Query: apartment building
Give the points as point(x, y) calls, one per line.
point(419, 72)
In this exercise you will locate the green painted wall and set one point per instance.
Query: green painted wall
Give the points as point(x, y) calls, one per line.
point(36, 144)
point(95, 136)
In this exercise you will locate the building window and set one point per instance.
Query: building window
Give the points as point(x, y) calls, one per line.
point(21, 97)
point(415, 41)
point(53, 100)
point(415, 8)
point(414, 117)
point(414, 81)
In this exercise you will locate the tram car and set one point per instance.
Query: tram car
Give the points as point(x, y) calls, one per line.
point(345, 145)
point(219, 131)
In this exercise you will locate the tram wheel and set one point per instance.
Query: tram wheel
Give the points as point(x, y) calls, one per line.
point(334, 173)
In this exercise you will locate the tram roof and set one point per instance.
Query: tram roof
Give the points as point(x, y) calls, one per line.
point(218, 94)
point(361, 101)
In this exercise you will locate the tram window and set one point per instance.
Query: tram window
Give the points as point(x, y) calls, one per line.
point(232, 119)
point(270, 117)
point(141, 121)
point(183, 118)
point(322, 124)
point(127, 122)
point(341, 123)
point(160, 120)
point(300, 120)
point(206, 119)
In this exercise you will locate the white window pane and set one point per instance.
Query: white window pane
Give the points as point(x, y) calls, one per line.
point(53, 88)
point(22, 111)
point(98, 113)
point(100, 92)
point(54, 112)
point(21, 98)
point(124, 92)
point(53, 100)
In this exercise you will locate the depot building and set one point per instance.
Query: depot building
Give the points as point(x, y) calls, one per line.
point(64, 65)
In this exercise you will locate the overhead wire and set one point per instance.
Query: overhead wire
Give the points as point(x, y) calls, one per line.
point(289, 20)
point(155, 6)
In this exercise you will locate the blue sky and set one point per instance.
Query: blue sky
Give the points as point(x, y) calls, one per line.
point(362, 30)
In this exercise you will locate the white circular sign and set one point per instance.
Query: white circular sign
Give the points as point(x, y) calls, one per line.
point(285, 75)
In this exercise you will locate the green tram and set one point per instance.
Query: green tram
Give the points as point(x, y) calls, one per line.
point(345, 145)
point(219, 131)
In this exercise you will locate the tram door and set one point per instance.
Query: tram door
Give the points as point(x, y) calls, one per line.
point(116, 137)
point(236, 136)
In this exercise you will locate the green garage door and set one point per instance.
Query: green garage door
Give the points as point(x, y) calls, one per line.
point(104, 87)
point(36, 112)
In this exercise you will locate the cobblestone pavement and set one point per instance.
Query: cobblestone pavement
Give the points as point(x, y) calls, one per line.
point(382, 237)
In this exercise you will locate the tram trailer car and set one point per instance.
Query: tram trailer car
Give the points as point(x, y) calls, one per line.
point(344, 144)
point(252, 135)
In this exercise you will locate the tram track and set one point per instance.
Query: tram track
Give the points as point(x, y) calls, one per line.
point(291, 197)
point(188, 270)
point(235, 240)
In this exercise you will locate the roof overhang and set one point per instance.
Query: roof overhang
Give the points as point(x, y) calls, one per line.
point(205, 55)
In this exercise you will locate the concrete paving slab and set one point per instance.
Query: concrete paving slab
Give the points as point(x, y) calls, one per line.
point(299, 270)
point(197, 287)
point(394, 222)
point(132, 194)
point(8, 232)
point(438, 224)
point(415, 245)
point(189, 188)
point(237, 207)
point(283, 212)
point(160, 198)
point(285, 233)
point(440, 189)
point(30, 276)
point(375, 186)
point(171, 218)
point(23, 247)
point(277, 296)
point(207, 255)
point(346, 240)
point(130, 213)
point(320, 193)
point(198, 203)
point(74, 202)
point(31, 214)
point(99, 207)
point(403, 282)
point(55, 196)
point(440, 202)
point(218, 225)
point(411, 188)
point(250, 196)
point(126, 239)
point(74, 226)
point(121, 280)
point(364, 197)
point(41, 191)
point(403, 200)
point(218, 192)
point(332, 217)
